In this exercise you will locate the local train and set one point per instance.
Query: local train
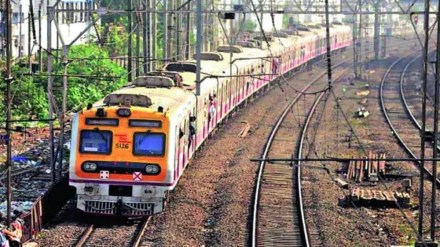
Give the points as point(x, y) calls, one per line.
point(131, 148)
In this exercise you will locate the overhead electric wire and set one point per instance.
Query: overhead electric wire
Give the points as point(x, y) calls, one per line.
point(351, 128)
point(345, 117)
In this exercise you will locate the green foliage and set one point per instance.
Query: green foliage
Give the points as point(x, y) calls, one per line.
point(30, 92)
point(249, 26)
point(192, 38)
point(29, 95)
point(348, 19)
point(286, 22)
point(117, 37)
point(105, 75)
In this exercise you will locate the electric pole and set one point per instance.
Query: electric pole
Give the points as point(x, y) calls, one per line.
point(434, 149)
point(177, 29)
point(146, 36)
point(359, 44)
point(130, 42)
point(165, 45)
point(50, 16)
point(188, 33)
point(199, 41)
point(153, 35)
point(423, 131)
point(139, 24)
point(376, 30)
point(8, 80)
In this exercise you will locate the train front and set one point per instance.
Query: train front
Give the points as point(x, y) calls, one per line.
point(118, 158)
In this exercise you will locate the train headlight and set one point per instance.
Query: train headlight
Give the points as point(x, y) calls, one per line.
point(89, 166)
point(123, 112)
point(88, 189)
point(152, 169)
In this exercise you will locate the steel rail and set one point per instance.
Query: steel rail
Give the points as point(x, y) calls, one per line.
point(384, 111)
point(85, 236)
point(405, 102)
point(298, 173)
point(140, 233)
point(266, 152)
point(402, 95)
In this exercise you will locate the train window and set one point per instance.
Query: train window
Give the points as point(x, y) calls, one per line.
point(145, 123)
point(149, 144)
point(102, 121)
point(96, 141)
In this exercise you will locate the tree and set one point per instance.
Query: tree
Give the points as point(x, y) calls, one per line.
point(104, 75)
point(99, 76)
point(249, 26)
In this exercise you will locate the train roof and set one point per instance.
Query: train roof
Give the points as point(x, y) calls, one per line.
point(151, 97)
point(161, 88)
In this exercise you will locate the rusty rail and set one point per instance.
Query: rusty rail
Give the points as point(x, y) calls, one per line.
point(140, 233)
point(85, 236)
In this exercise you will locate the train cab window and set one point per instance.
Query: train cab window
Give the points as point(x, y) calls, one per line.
point(149, 144)
point(96, 141)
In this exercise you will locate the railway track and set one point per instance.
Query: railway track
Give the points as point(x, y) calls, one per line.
point(397, 111)
point(103, 235)
point(278, 212)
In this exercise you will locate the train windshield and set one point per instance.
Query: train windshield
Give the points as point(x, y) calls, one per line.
point(96, 141)
point(150, 144)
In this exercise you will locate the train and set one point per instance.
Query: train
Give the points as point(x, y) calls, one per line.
point(129, 149)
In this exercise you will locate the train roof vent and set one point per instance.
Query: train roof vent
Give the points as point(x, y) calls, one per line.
point(302, 27)
point(228, 49)
point(153, 81)
point(165, 73)
point(291, 32)
point(181, 67)
point(314, 26)
point(212, 56)
point(261, 38)
point(281, 35)
point(246, 44)
point(255, 42)
point(128, 99)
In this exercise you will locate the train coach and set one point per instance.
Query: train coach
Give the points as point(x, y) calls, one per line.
point(130, 148)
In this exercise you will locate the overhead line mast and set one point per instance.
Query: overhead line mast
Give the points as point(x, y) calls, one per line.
point(8, 80)
point(198, 44)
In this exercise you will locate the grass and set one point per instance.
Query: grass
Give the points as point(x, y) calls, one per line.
point(407, 233)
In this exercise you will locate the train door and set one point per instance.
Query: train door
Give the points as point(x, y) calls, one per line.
point(220, 101)
point(230, 86)
point(247, 82)
point(186, 135)
point(242, 89)
point(233, 91)
point(284, 61)
point(316, 48)
point(182, 145)
point(238, 93)
point(205, 117)
point(214, 108)
point(177, 153)
point(225, 98)
point(307, 51)
point(192, 138)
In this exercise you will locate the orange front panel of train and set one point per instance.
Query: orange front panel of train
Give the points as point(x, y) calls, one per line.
point(127, 148)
